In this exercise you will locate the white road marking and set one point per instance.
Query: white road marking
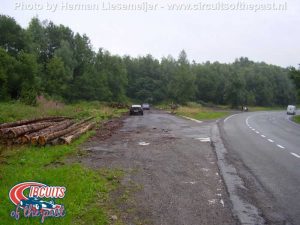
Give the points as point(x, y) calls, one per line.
point(253, 129)
point(247, 122)
point(294, 154)
point(205, 139)
point(212, 201)
point(250, 127)
point(205, 169)
point(222, 202)
point(143, 143)
point(257, 132)
point(280, 146)
point(270, 140)
point(198, 121)
point(263, 136)
point(190, 182)
point(229, 117)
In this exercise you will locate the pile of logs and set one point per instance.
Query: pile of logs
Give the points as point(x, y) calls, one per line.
point(42, 131)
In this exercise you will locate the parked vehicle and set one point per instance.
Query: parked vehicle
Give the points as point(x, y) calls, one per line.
point(136, 110)
point(146, 106)
point(37, 203)
point(291, 110)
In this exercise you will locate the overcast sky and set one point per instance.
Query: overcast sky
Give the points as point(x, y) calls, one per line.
point(220, 35)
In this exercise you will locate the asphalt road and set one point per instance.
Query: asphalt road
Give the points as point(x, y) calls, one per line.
point(172, 162)
point(267, 146)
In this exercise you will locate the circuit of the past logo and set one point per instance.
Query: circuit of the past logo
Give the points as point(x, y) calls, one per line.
point(33, 199)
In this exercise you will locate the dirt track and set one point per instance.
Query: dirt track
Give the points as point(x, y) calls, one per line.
point(177, 173)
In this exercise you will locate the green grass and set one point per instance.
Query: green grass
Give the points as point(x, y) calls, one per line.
point(12, 111)
point(201, 113)
point(207, 115)
point(87, 195)
point(265, 108)
point(296, 119)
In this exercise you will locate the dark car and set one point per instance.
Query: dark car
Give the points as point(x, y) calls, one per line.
point(37, 203)
point(136, 110)
point(146, 106)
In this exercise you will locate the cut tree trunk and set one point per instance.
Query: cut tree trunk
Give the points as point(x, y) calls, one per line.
point(25, 122)
point(20, 130)
point(33, 137)
point(67, 139)
point(43, 139)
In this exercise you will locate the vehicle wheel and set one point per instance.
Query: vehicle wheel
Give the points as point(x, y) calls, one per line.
point(142, 113)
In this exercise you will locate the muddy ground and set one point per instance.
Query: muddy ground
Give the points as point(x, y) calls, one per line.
point(171, 176)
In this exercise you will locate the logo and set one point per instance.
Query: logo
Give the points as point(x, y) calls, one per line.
point(33, 199)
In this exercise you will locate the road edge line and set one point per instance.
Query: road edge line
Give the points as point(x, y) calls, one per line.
point(245, 212)
point(228, 117)
point(192, 119)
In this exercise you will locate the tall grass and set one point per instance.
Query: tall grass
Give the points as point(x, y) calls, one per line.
point(12, 111)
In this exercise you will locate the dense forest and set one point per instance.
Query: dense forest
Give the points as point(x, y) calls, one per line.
point(52, 60)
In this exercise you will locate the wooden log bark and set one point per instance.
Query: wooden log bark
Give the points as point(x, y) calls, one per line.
point(15, 132)
point(25, 122)
point(33, 137)
point(43, 139)
point(67, 139)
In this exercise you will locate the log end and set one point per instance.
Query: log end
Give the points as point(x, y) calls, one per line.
point(42, 140)
point(34, 140)
point(25, 139)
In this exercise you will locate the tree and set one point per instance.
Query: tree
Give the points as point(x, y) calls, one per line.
point(12, 35)
point(56, 77)
point(182, 85)
point(294, 74)
point(27, 71)
point(235, 90)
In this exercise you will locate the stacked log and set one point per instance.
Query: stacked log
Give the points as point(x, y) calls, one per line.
point(67, 139)
point(42, 131)
point(33, 137)
point(24, 122)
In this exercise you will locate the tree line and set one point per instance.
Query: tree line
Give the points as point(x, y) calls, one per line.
point(52, 60)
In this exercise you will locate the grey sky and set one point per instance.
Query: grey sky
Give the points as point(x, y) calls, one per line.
point(216, 35)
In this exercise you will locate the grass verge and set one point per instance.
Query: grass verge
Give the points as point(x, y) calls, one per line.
point(296, 119)
point(201, 113)
point(87, 196)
